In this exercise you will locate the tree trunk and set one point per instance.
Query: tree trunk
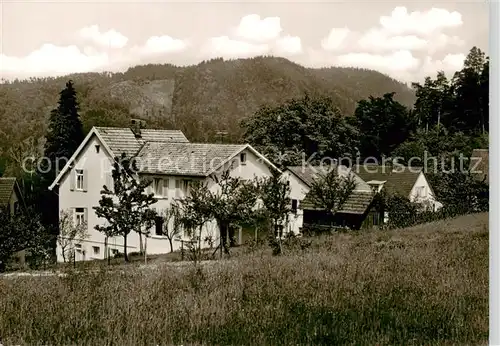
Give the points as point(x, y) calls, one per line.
point(106, 250)
point(145, 250)
point(439, 120)
point(199, 244)
point(140, 243)
point(125, 256)
point(171, 245)
point(223, 231)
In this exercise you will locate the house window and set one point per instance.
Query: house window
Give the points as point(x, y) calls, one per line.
point(294, 206)
point(158, 189)
point(166, 185)
point(243, 158)
point(97, 148)
point(159, 225)
point(79, 179)
point(16, 207)
point(185, 186)
point(96, 250)
point(419, 191)
point(80, 216)
point(178, 185)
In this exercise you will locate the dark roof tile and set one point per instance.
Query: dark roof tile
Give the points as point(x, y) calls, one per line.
point(122, 139)
point(357, 203)
point(6, 189)
point(193, 159)
point(399, 180)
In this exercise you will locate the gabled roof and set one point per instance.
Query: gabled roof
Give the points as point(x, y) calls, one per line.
point(164, 152)
point(479, 164)
point(305, 173)
point(7, 187)
point(122, 140)
point(308, 173)
point(399, 180)
point(118, 140)
point(192, 159)
point(357, 203)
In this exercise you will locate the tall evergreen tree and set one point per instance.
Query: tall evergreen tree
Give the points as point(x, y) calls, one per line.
point(471, 115)
point(64, 135)
point(65, 129)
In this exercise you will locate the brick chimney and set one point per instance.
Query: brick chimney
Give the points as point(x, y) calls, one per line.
point(136, 125)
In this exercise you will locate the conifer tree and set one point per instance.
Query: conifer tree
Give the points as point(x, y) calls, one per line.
point(65, 132)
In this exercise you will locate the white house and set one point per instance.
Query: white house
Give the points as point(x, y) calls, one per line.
point(369, 179)
point(409, 182)
point(166, 157)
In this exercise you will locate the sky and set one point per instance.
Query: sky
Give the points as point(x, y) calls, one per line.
point(406, 40)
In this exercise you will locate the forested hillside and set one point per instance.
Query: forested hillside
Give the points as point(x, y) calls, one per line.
point(200, 100)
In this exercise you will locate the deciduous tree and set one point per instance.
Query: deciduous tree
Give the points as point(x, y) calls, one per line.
point(331, 189)
point(127, 207)
point(69, 232)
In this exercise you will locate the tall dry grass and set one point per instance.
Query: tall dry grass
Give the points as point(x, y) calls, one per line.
point(426, 285)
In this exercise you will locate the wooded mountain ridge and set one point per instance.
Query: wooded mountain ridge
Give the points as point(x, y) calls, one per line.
point(200, 100)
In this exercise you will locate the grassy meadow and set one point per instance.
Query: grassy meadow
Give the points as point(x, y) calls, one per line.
point(426, 285)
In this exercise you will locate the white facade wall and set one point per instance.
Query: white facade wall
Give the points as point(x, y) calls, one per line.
point(422, 193)
point(298, 191)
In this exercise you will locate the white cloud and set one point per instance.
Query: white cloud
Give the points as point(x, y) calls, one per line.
point(223, 46)
point(389, 47)
point(335, 39)
point(288, 45)
point(441, 41)
point(449, 64)
point(378, 40)
point(253, 28)
point(400, 65)
point(417, 22)
point(53, 60)
point(110, 38)
point(414, 31)
point(399, 61)
point(163, 44)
